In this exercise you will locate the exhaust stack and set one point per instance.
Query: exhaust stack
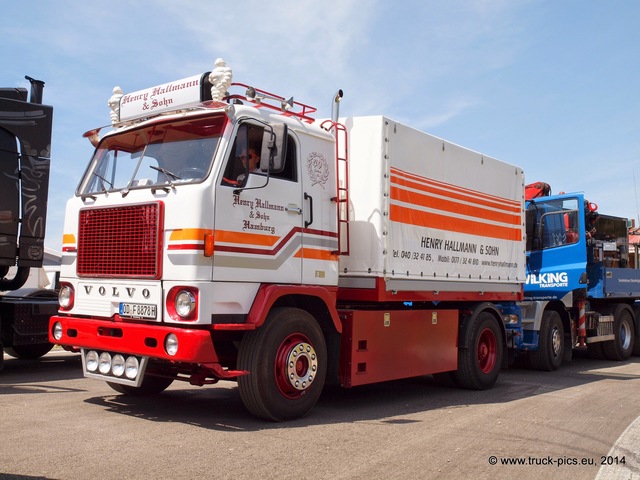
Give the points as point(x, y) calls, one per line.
point(335, 107)
point(37, 86)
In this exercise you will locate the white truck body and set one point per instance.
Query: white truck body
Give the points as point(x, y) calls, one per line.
point(426, 214)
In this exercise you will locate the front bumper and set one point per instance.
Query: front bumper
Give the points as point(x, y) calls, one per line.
point(145, 340)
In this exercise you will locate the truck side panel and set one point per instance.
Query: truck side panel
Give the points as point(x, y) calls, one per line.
point(387, 345)
point(613, 282)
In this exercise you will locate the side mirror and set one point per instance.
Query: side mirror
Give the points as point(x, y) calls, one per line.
point(274, 148)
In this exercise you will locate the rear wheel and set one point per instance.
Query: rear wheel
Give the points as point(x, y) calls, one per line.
point(636, 343)
point(622, 346)
point(550, 351)
point(287, 362)
point(479, 364)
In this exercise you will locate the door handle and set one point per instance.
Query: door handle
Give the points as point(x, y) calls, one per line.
point(293, 209)
point(310, 198)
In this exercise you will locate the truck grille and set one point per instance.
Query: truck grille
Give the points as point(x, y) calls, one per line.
point(121, 241)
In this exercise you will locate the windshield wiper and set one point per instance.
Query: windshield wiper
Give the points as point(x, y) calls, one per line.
point(167, 174)
point(102, 181)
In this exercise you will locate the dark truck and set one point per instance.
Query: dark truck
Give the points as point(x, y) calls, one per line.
point(25, 147)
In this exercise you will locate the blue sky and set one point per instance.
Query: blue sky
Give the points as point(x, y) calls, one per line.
point(552, 86)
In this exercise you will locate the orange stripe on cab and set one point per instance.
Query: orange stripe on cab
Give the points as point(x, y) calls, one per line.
point(240, 238)
point(316, 254)
point(186, 234)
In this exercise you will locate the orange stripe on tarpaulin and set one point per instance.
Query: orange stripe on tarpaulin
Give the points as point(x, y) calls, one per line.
point(421, 218)
point(453, 188)
point(419, 199)
point(428, 185)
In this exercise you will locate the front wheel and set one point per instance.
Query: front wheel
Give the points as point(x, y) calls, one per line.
point(29, 352)
point(479, 364)
point(622, 346)
point(287, 363)
point(550, 351)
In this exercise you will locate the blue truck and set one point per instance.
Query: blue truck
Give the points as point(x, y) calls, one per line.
point(581, 288)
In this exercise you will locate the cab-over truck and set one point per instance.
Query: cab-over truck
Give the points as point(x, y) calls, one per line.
point(581, 287)
point(25, 146)
point(221, 232)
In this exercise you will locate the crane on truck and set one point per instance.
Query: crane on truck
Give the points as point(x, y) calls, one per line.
point(354, 251)
point(25, 145)
point(581, 289)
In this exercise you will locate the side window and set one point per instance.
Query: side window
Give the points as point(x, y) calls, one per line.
point(559, 228)
point(244, 158)
point(290, 171)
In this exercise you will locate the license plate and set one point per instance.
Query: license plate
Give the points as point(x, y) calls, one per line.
point(138, 310)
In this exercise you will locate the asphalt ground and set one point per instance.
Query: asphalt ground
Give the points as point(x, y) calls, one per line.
point(579, 422)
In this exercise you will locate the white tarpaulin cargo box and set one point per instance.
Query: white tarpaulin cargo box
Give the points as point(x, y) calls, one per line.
point(426, 214)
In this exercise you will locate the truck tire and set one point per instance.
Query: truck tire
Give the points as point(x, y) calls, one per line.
point(550, 351)
point(636, 343)
point(479, 364)
point(29, 352)
point(621, 348)
point(150, 385)
point(596, 351)
point(287, 363)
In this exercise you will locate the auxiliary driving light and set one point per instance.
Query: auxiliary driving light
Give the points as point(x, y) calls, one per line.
point(117, 365)
point(131, 367)
point(57, 331)
point(104, 364)
point(92, 361)
point(171, 344)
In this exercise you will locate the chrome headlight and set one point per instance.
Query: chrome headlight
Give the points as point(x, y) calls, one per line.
point(65, 296)
point(185, 303)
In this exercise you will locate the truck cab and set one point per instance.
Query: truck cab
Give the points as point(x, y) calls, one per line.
point(580, 289)
point(25, 147)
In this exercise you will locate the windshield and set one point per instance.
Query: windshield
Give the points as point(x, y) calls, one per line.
point(161, 154)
